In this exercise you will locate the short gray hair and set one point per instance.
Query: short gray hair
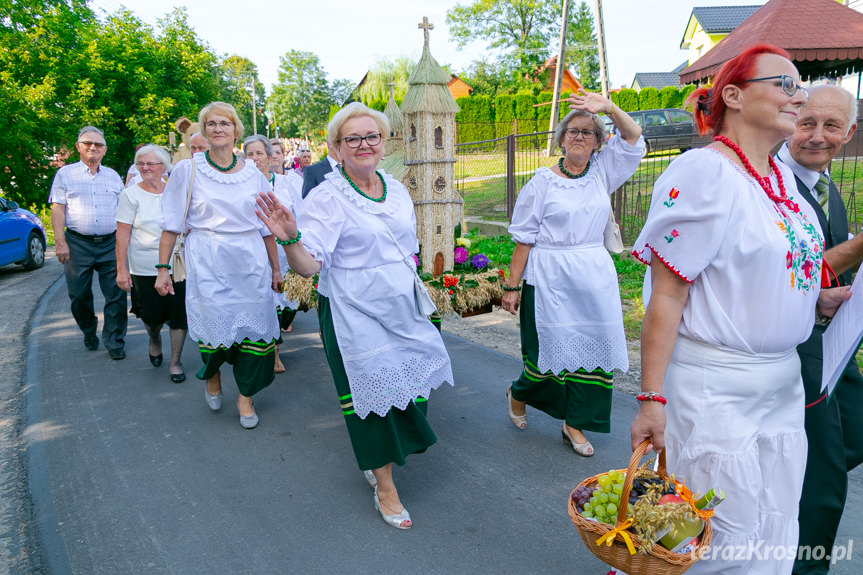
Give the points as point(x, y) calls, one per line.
point(268, 147)
point(157, 151)
point(851, 104)
point(86, 129)
point(598, 127)
point(301, 150)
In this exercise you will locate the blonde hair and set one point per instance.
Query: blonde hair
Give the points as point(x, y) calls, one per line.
point(223, 109)
point(356, 110)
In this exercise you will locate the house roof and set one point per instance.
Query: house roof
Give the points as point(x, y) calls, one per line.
point(657, 80)
point(716, 20)
point(823, 37)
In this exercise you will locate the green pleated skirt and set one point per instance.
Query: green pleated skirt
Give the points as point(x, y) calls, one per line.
point(581, 398)
point(376, 440)
point(253, 363)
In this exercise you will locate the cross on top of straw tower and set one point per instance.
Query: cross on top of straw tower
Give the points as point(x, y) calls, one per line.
point(426, 26)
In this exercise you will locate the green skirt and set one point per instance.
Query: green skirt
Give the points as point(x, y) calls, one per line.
point(376, 440)
point(253, 363)
point(581, 398)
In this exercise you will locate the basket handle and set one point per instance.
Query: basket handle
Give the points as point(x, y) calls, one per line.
point(630, 477)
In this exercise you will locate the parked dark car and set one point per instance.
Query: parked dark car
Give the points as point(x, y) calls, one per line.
point(666, 128)
point(22, 236)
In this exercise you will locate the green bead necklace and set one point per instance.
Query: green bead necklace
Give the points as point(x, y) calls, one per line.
point(217, 166)
point(360, 192)
point(569, 174)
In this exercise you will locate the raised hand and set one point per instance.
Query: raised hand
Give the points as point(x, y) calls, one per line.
point(590, 101)
point(278, 219)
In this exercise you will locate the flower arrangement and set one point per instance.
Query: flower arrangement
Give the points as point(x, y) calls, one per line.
point(474, 283)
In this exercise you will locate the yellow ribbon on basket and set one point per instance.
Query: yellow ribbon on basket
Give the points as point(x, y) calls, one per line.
point(609, 537)
point(684, 493)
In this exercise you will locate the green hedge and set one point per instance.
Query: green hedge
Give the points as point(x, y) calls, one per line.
point(648, 99)
point(504, 114)
point(669, 97)
point(475, 119)
point(627, 100)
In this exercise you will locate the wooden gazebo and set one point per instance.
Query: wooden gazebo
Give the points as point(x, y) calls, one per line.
point(824, 38)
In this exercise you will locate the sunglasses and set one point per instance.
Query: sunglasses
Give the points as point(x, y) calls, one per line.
point(788, 83)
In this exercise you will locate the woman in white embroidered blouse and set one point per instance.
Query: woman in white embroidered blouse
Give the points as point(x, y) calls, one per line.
point(260, 150)
point(735, 275)
point(359, 231)
point(138, 233)
point(571, 321)
point(231, 263)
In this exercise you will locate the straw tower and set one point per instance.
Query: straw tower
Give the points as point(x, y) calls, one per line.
point(429, 153)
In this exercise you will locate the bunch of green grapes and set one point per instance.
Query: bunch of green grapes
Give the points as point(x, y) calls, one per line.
point(601, 501)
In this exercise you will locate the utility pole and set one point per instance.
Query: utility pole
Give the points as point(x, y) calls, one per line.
point(558, 77)
point(254, 108)
point(600, 40)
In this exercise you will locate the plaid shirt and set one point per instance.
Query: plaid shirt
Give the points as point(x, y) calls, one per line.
point(90, 200)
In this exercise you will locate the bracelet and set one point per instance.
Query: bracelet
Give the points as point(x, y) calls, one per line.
point(289, 242)
point(821, 319)
point(652, 396)
point(507, 288)
point(165, 266)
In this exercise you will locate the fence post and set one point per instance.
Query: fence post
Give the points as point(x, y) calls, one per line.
point(510, 175)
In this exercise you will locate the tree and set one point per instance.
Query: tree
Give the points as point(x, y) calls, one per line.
point(521, 29)
point(582, 52)
point(302, 97)
point(33, 81)
point(239, 74)
point(486, 77)
point(376, 86)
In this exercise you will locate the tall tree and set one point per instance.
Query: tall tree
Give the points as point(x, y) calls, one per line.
point(521, 29)
point(302, 97)
point(33, 84)
point(382, 72)
point(582, 52)
point(239, 74)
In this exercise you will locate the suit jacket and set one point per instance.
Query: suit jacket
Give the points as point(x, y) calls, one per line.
point(314, 175)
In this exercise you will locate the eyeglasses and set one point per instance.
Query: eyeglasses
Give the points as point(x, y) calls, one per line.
point(788, 83)
point(356, 141)
point(96, 145)
point(211, 125)
point(586, 134)
point(149, 165)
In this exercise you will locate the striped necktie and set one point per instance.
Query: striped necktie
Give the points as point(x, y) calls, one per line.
point(822, 188)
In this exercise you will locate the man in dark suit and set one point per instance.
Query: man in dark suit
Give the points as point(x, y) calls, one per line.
point(834, 425)
point(315, 174)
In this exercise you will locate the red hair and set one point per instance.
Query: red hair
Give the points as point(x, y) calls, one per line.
point(707, 103)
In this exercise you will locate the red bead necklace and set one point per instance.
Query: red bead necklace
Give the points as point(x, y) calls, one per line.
point(764, 182)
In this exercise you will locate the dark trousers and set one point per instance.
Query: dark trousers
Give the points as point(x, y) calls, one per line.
point(834, 429)
point(85, 257)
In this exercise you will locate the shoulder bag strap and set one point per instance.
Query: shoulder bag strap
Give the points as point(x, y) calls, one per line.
point(188, 201)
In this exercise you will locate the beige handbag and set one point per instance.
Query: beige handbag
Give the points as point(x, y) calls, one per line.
point(611, 236)
point(178, 257)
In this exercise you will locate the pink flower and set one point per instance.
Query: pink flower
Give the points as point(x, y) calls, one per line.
point(788, 260)
point(416, 260)
point(460, 255)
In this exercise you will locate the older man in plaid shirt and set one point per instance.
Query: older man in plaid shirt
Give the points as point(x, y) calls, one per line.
point(83, 200)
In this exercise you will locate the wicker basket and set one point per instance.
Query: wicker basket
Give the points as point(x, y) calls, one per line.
point(659, 560)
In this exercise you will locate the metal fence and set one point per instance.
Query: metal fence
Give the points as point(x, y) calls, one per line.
point(490, 173)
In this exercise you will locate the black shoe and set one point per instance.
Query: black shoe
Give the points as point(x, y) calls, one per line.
point(178, 377)
point(91, 342)
point(117, 353)
point(156, 360)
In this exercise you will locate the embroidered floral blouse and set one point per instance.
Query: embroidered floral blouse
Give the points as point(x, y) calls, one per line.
point(754, 267)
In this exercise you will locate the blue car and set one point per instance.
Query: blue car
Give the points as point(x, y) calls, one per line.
point(22, 236)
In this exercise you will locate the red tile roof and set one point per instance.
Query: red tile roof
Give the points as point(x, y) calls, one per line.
point(822, 36)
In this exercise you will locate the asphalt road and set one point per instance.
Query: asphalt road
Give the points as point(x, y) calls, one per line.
point(130, 473)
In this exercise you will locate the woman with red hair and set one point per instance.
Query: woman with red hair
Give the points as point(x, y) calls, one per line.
point(734, 283)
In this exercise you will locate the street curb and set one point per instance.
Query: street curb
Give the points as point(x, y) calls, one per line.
point(51, 549)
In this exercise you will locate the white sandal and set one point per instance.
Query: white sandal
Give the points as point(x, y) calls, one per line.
point(370, 477)
point(584, 449)
point(520, 421)
point(399, 520)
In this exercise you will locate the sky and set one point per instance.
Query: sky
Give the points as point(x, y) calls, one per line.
point(349, 36)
